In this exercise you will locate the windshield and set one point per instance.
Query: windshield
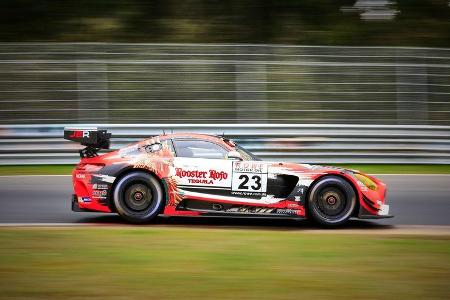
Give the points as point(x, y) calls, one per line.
point(245, 154)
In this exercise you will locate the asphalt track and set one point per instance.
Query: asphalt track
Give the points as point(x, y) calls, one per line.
point(414, 200)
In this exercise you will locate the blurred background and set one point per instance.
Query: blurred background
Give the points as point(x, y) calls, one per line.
point(357, 81)
point(364, 83)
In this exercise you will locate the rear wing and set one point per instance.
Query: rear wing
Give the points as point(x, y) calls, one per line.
point(93, 138)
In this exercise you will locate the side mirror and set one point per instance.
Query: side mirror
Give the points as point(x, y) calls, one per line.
point(234, 155)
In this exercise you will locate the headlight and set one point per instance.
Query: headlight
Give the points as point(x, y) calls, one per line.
point(366, 181)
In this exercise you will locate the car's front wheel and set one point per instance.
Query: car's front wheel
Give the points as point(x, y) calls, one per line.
point(138, 197)
point(331, 201)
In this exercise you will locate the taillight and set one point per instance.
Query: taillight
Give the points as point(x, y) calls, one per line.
point(90, 168)
point(80, 166)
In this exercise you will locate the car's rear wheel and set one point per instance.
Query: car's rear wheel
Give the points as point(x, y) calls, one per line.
point(138, 197)
point(331, 201)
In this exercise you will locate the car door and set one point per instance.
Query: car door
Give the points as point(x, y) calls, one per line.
point(203, 172)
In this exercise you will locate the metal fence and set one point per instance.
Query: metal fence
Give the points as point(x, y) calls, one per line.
point(314, 143)
point(222, 83)
point(249, 91)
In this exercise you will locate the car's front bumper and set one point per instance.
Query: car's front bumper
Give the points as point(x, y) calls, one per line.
point(382, 213)
point(366, 217)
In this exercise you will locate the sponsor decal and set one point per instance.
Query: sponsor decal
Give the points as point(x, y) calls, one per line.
point(249, 167)
point(99, 193)
point(100, 186)
point(80, 134)
point(251, 209)
point(84, 199)
point(80, 175)
point(202, 172)
point(203, 177)
point(286, 211)
point(217, 175)
point(247, 194)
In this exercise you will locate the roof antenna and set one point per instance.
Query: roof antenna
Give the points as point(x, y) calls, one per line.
point(171, 129)
point(164, 132)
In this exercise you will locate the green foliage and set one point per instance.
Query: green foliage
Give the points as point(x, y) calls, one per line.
point(419, 22)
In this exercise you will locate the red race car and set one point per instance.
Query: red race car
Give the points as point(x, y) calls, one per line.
point(186, 174)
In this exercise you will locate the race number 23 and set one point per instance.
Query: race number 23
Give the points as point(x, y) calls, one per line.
point(254, 185)
point(249, 178)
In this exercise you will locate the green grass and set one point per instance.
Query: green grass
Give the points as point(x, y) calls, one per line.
point(36, 170)
point(182, 263)
point(371, 169)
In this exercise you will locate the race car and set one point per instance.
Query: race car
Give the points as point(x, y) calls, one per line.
point(190, 174)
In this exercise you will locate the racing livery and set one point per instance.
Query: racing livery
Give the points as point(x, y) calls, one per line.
point(186, 174)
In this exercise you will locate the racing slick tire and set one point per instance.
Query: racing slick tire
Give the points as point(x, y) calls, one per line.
point(138, 197)
point(331, 201)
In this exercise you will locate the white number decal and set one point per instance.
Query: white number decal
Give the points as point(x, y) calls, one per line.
point(249, 177)
point(255, 186)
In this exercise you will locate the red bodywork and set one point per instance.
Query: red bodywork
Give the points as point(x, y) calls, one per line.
point(94, 178)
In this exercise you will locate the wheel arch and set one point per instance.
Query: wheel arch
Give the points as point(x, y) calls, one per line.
point(340, 175)
point(127, 171)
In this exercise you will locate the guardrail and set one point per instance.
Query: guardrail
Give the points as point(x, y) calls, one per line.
point(308, 143)
point(222, 83)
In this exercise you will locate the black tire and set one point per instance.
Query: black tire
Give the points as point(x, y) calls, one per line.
point(331, 201)
point(138, 197)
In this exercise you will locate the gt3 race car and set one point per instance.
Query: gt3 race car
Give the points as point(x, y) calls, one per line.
point(186, 174)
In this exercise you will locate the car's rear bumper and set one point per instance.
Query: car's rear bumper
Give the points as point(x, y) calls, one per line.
point(76, 207)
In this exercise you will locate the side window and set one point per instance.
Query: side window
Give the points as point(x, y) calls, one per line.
point(199, 149)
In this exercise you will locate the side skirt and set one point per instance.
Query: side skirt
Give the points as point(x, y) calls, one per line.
point(251, 215)
point(212, 209)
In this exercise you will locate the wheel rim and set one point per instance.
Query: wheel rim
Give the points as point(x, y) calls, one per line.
point(138, 197)
point(332, 204)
